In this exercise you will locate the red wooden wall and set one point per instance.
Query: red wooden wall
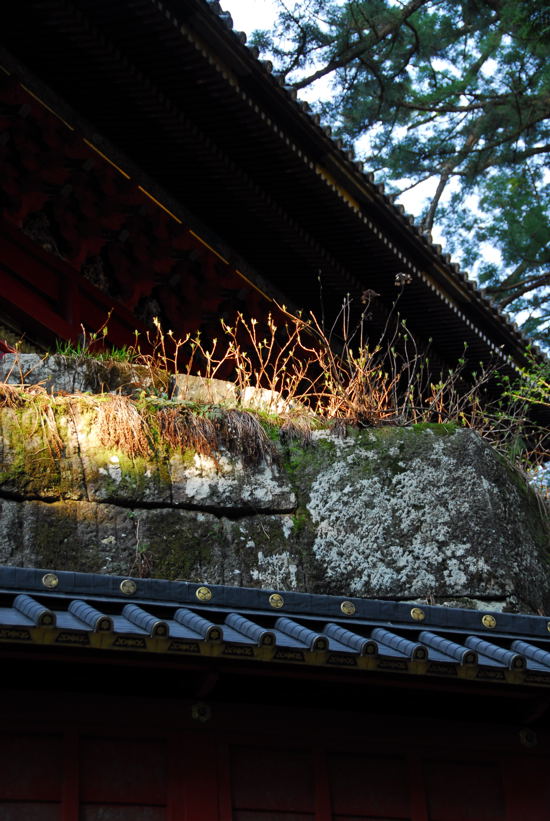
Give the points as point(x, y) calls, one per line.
point(119, 774)
point(79, 237)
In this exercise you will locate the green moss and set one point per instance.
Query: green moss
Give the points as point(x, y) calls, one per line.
point(182, 546)
point(32, 460)
point(272, 430)
point(442, 428)
point(300, 521)
point(55, 540)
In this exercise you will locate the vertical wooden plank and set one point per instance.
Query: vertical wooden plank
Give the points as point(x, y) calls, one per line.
point(417, 789)
point(323, 802)
point(225, 802)
point(526, 787)
point(174, 787)
point(200, 777)
point(70, 787)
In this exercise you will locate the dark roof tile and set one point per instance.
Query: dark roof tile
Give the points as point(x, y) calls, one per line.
point(154, 615)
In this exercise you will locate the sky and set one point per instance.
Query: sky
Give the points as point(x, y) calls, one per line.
point(250, 14)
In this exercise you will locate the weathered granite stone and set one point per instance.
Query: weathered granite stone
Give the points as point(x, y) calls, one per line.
point(74, 374)
point(218, 391)
point(61, 457)
point(85, 374)
point(412, 513)
point(430, 513)
point(200, 389)
point(105, 538)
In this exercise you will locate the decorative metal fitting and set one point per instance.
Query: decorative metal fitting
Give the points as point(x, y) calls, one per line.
point(50, 580)
point(417, 614)
point(276, 600)
point(347, 608)
point(201, 711)
point(528, 737)
point(128, 587)
point(203, 593)
point(489, 621)
point(104, 624)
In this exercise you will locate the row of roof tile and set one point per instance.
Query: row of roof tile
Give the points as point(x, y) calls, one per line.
point(323, 627)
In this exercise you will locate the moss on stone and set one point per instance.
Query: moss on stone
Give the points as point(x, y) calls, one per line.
point(55, 541)
point(183, 545)
point(442, 428)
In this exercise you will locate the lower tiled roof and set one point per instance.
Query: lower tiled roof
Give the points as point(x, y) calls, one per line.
point(188, 619)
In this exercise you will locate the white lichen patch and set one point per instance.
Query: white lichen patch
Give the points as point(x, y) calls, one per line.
point(265, 487)
point(113, 471)
point(227, 483)
point(277, 570)
point(287, 525)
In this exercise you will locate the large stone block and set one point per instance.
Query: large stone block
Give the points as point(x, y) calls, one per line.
point(430, 513)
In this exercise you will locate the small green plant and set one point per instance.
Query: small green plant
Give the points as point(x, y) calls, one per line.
point(96, 344)
point(142, 563)
point(532, 384)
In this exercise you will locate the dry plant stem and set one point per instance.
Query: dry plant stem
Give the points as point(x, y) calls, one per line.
point(243, 436)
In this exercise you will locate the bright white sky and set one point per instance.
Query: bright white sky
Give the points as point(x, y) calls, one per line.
point(250, 14)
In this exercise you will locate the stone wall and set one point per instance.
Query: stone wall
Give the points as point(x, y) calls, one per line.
point(426, 513)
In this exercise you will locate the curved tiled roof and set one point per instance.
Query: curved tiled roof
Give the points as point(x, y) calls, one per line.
point(177, 618)
point(357, 166)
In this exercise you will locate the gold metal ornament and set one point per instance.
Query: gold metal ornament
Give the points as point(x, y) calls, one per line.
point(128, 587)
point(50, 580)
point(276, 600)
point(489, 621)
point(417, 614)
point(347, 608)
point(203, 593)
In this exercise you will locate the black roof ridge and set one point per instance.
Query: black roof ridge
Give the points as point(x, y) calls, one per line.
point(162, 592)
point(240, 39)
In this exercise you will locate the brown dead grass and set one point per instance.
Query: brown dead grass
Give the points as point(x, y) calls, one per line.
point(236, 431)
point(39, 405)
point(243, 436)
point(17, 396)
point(122, 427)
point(296, 430)
point(183, 430)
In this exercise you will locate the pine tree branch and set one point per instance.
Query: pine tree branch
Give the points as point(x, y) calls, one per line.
point(448, 168)
point(350, 54)
point(527, 285)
